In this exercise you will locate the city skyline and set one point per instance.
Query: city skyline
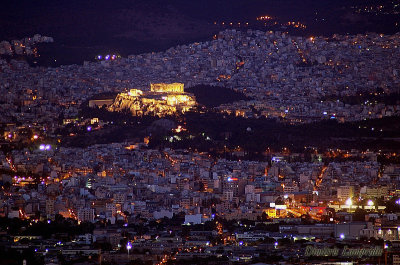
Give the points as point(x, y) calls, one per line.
point(199, 132)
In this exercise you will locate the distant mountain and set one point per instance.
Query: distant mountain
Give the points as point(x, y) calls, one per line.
point(83, 29)
point(103, 21)
point(92, 21)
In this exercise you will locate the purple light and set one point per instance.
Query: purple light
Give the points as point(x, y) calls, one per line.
point(47, 147)
point(89, 128)
point(107, 57)
point(42, 147)
point(10, 135)
point(99, 57)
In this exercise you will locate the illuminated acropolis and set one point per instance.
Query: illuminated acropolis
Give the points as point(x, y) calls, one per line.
point(162, 99)
point(167, 88)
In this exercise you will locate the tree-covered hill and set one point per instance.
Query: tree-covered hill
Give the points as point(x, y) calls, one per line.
point(213, 96)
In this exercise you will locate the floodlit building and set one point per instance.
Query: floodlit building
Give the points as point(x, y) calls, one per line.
point(162, 99)
point(345, 192)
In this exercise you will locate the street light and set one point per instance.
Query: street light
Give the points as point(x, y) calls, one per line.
point(128, 247)
point(370, 203)
point(349, 202)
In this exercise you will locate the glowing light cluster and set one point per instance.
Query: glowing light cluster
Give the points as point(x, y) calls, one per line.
point(108, 57)
point(45, 147)
point(264, 18)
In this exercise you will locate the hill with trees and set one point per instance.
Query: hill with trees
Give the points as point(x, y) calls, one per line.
point(213, 96)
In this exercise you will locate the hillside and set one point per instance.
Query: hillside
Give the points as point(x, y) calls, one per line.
point(213, 96)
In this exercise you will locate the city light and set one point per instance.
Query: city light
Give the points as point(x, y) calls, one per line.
point(107, 57)
point(44, 147)
point(130, 147)
point(180, 129)
point(128, 247)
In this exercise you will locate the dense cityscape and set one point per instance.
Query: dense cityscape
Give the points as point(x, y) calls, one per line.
point(257, 145)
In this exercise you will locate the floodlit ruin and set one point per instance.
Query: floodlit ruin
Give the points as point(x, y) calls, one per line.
point(162, 99)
